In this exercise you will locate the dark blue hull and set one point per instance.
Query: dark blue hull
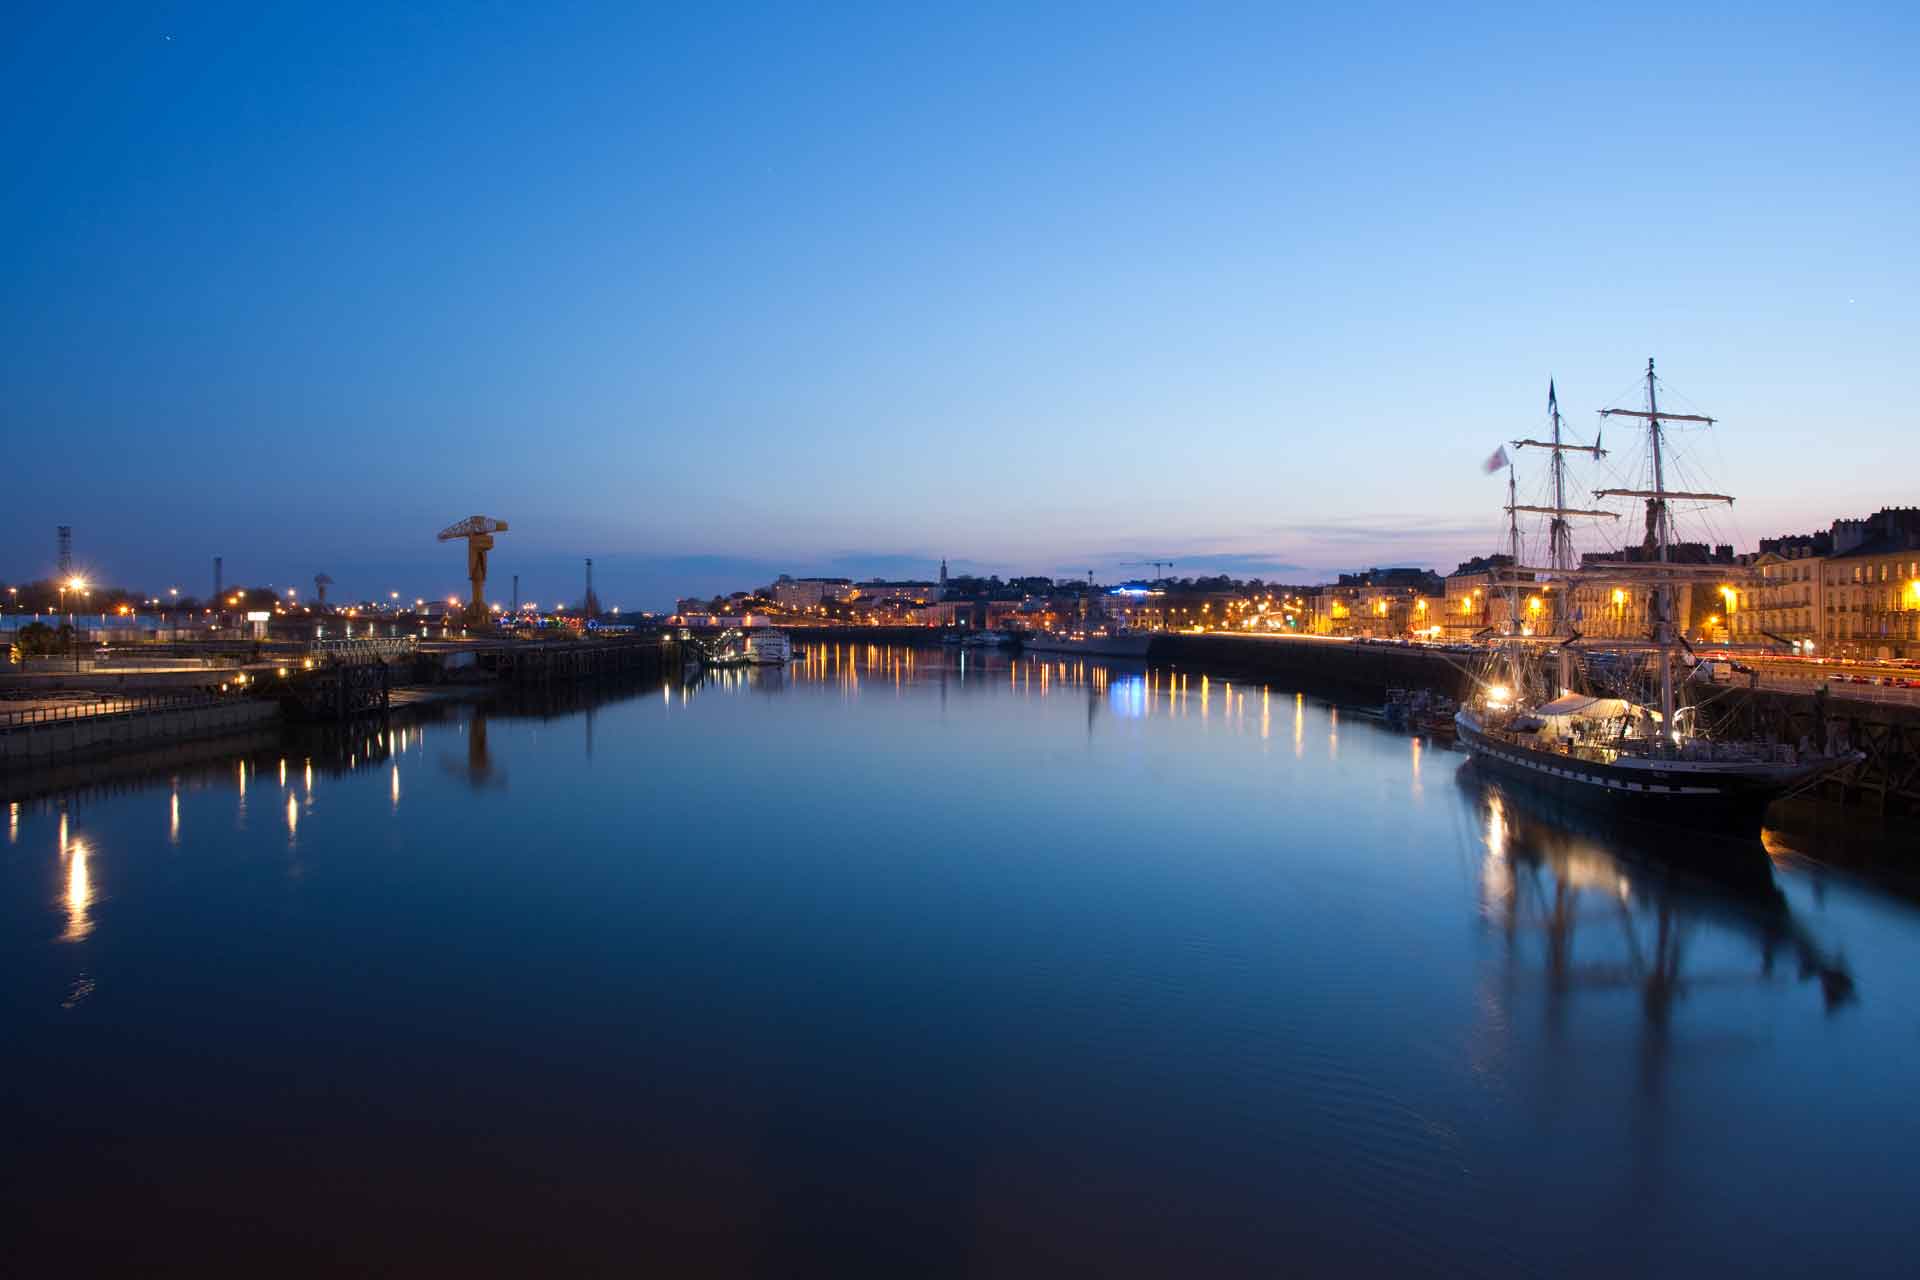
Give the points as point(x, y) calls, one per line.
point(1731, 804)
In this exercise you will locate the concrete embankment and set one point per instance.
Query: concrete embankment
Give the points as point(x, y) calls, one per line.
point(1363, 673)
point(80, 736)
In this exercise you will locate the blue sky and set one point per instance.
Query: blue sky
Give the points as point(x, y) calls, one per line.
point(710, 294)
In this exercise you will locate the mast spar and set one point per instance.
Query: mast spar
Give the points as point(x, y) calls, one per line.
point(1559, 530)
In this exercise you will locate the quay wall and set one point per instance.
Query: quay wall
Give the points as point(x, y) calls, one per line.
point(110, 680)
point(1336, 669)
point(33, 744)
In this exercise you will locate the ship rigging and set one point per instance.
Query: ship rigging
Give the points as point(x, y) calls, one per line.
point(1609, 748)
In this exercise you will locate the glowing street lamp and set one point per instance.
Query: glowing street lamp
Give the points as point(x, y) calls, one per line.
point(78, 586)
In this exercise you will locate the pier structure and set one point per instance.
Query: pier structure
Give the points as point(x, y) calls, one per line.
point(77, 716)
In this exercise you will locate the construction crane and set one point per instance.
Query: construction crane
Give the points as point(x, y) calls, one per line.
point(320, 584)
point(1157, 566)
point(478, 531)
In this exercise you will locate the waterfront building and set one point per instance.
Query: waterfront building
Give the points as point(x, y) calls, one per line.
point(1869, 597)
point(1851, 591)
point(1474, 599)
point(1175, 609)
point(809, 593)
point(949, 613)
point(1380, 603)
point(879, 593)
point(1783, 600)
point(1002, 614)
point(1622, 608)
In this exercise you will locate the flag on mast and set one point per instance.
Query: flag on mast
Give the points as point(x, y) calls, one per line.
point(1553, 403)
point(1497, 461)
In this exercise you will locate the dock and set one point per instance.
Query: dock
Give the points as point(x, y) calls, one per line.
point(59, 717)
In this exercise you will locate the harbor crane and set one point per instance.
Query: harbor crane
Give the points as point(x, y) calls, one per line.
point(1157, 566)
point(478, 531)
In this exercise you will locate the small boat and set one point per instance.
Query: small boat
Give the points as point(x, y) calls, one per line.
point(1420, 710)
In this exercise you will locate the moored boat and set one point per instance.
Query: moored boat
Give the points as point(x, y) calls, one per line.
point(1616, 749)
point(768, 648)
point(1119, 644)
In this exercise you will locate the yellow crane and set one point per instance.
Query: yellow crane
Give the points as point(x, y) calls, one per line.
point(478, 531)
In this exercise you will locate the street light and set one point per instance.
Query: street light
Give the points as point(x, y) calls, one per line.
point(77, 585)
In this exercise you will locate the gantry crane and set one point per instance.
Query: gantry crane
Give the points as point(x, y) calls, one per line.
point(478, 531)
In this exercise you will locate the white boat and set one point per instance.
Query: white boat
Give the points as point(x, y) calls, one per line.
point(768, 648)
point(758, 648)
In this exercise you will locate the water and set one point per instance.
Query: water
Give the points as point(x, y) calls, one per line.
point(889, 966)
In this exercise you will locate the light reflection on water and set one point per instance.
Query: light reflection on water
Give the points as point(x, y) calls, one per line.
point(78, 900)
point(898, 956)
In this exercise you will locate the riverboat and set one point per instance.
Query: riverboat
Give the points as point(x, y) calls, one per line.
point(751, 648)
point(768, 648)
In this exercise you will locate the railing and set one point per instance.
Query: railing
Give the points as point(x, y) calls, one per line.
point(108, 708)
point(1838, 687)
point(370, 649)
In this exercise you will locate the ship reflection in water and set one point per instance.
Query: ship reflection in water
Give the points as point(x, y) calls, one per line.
point(909, 961)
point(1599, 906)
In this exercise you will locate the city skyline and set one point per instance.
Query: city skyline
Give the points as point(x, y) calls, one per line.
point(712, 299)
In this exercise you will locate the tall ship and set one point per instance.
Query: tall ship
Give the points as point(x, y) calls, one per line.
point(1633, 737)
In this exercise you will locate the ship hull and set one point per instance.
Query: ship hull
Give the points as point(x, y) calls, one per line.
point(1128, 646)
point(1728, 801)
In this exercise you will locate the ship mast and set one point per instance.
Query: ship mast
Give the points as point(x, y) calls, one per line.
point(1662, 525)
point(1560, 545)
point(1513, 551)
point(1660, 529)
point(1559, 538)
point(1559, 531)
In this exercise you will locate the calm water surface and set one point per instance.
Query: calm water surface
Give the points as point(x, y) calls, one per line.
point(891, 965)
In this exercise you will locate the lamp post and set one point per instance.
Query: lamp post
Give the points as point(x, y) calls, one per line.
point(78, 587)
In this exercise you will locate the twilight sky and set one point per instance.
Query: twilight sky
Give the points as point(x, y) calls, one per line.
point(712, 292)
